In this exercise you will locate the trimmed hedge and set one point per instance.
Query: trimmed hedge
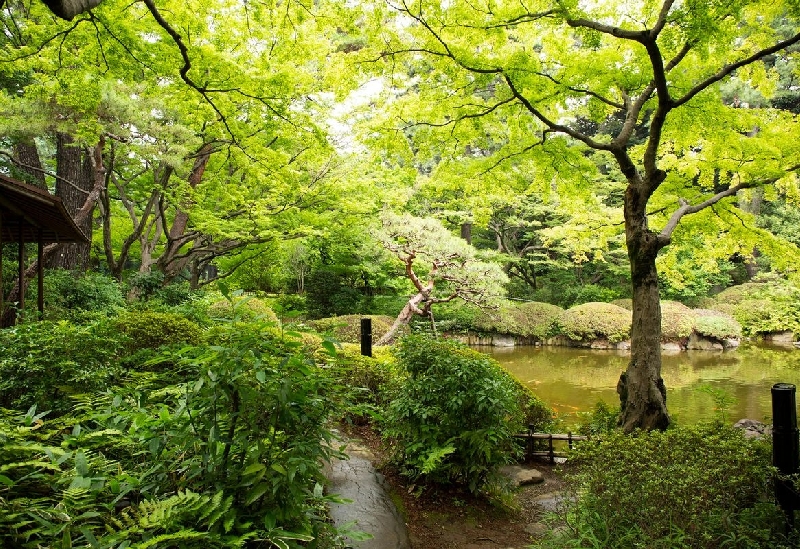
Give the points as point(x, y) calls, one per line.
point(595, 320)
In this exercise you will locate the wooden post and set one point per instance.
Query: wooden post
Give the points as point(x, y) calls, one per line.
point(40, 273)
point(366, 337)
point(785, 451)
point(20, 274)
point(2, 293)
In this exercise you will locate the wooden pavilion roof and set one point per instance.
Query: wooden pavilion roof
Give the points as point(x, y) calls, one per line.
point(29, 210)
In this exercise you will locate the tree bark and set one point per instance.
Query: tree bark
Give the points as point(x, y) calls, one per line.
point(74, 182)
point(27, 158)
point(406, 314)
point(68, 9)
point(169, 262)
point(641, 389)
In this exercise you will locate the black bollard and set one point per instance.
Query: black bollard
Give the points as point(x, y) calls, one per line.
point(785, 452)
point(366, 337)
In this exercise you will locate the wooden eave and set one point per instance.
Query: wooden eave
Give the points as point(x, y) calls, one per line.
point(30, 212)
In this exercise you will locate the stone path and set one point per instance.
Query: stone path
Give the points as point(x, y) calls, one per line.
point(372, 510)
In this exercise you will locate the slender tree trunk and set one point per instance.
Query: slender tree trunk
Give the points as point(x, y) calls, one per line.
point(466, 231)
point(406, 314)
point(176, 238)
point(641, 389)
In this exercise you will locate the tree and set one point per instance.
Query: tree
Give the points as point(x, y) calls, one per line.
point(215, 135)
point(441, 267)
point(527, 77)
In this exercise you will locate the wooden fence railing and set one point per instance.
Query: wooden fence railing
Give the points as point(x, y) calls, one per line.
point(532, 449)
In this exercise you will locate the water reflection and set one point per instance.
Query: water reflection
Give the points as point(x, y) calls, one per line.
point(573, 380)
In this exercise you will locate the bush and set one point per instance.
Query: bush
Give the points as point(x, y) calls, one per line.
point(454, 317)
point(368, 383)
point(242, 308)
point(328, 294)
point(588, 293)
point(677, 320)
point(347, 328)
point(592, 321)
point(230, 456)
point(531, 319)
point(46, 363)
point(698, 487)
point(716, 324)
point(151, 330)
point(71, 295)
point(624, 302)
point(762, 308)
point(453, 420)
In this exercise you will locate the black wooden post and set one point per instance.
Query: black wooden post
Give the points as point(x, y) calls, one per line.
point(366, 337)
point(785, 455)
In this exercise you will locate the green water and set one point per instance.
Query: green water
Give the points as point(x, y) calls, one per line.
point(573, 380)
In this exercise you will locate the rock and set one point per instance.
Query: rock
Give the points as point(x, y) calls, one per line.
point(753, 428)
point(551, 501)
point(537, 529)
point(371, 509)
point(730, 343)
point(780, 337)
point(700, 343)
point(671, 347)
point(500, 340)
point(522, 476)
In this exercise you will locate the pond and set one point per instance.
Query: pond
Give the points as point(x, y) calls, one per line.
point(574, 380)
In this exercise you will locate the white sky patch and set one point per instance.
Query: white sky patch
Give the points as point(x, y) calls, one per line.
point(341, 119)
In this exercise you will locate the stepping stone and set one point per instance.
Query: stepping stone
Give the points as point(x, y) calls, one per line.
point(521, 475)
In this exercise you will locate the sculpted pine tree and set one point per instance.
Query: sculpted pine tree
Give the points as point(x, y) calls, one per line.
point(441, 266)
point(528, 77)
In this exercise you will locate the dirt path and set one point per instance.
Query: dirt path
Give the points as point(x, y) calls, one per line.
point(454, 519)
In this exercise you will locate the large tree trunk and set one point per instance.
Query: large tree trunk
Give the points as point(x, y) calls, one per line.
point(75, 180)
point(26, 156)
point(641, 389)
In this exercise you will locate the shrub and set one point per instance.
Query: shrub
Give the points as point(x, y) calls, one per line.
point(230, 456)
point(151, 330)
point(588, 293)
point(698, 487)
point(716, 324)
point(45, 363)
point(146, 284)
point(624, 302)
point(539, 319)
point(70, 295)
point(347, 328)
point(453, 419)
point(532, 319)
point(242, 308)
point(762, 308)
point(368, 384)
point(677, 320)
point(175, 293)
point(595, 321)
point(737, 294)
point(328, 293)
point(454, 317)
